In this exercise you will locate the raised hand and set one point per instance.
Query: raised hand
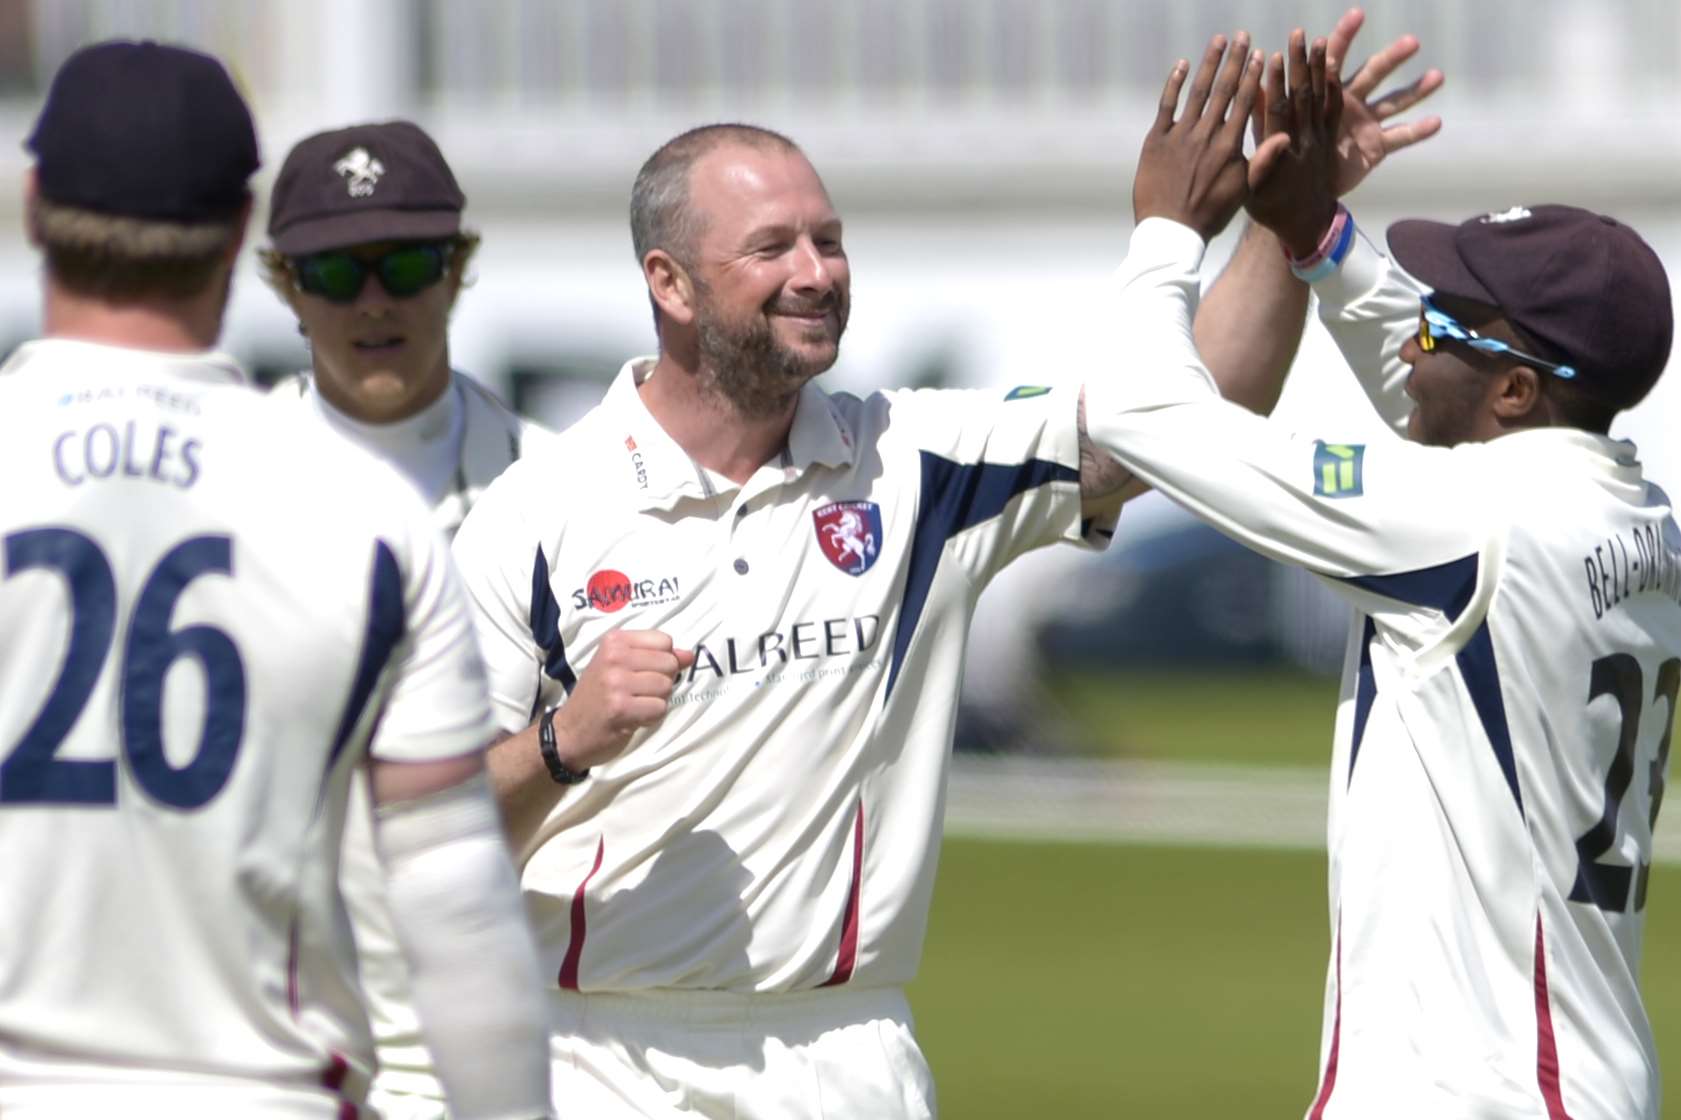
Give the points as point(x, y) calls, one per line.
point(1192, 169)
point(1365, 140)
point(1293, 177)
point(625, 687)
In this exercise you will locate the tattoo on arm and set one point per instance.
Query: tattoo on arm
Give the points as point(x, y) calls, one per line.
point(1100, 475)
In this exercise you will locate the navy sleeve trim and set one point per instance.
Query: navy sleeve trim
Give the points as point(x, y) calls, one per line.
point(954, 497)
point(386, 625)
point(545, 625)
point(1448, 587)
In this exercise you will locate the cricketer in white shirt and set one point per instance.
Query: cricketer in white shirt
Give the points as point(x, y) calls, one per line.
point(198, 648)
point(1502, 738)
point(450, 451)
point(776, 831)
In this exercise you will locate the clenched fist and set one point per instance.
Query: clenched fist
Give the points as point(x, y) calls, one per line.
point(626, 687)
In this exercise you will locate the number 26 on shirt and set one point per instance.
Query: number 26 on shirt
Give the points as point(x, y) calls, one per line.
point(31, 772)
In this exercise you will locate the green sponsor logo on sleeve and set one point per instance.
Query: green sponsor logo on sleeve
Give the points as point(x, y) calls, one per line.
point(1336, 469)
point(1022, 392)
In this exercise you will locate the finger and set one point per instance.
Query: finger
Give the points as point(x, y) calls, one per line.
point(1278, 101)
point(1342, 37)
point(667, 663)
point(1333, 103)
point(645, 683)
point(1398, 136)
point(639, 711)
point(1203, 83)
point(1170, 95)
point(1227, 82)
point(1266, 157)
point(1243, 105)
point(1400, 100)
point(1301, 90)
point(1377, 68)
point(639, 639)
point(1316, 75)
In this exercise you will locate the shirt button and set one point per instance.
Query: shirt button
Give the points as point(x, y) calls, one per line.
point(740, 566)
point(741, 510)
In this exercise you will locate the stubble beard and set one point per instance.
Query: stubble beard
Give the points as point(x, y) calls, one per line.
point(750, 370)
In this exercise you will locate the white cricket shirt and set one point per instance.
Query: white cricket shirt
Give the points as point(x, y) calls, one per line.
point(450, 451)
point(201, 627)
point(778, 829)
point(1503, 734)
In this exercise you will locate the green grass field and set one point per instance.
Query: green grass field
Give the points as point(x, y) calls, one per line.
point(1069, 981)
point(1259, 718)
point(1065, 981)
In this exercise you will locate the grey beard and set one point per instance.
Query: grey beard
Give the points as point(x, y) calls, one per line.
point(748, 368)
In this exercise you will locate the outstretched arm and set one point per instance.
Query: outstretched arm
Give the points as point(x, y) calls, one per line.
point(1249, 323)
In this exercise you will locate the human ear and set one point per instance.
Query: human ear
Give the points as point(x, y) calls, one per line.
point(669, 286)
point(1517, 394)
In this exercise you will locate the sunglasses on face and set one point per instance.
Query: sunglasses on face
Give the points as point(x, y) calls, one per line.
point(338, 275)
point(1434, 325)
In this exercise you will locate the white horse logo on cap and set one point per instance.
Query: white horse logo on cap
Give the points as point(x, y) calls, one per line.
point(1510, 214)
point(361, 170)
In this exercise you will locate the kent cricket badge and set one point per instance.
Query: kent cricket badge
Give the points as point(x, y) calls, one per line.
point(849, 533)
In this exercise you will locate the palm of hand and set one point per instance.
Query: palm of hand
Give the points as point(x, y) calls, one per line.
point(1360, 146)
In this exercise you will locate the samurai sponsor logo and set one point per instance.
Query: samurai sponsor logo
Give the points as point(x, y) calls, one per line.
point(609, 591)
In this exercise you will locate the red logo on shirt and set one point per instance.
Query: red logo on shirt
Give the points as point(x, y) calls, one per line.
point(849, 533)
point(608, 590)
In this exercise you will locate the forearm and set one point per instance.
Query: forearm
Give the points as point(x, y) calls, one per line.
point(1249, 324)
point(522, 785)
point(455, 905)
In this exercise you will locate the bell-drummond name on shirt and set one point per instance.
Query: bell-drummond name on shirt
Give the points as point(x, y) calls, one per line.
point(1637, 561)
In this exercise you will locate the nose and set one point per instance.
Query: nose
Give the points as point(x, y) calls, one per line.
point(373, 300)
point(813, 272)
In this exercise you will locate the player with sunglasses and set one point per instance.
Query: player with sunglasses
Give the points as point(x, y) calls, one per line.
point(367, 249)
point(1513, 668)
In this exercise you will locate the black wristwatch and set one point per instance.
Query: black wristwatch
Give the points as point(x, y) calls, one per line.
point(558, 770)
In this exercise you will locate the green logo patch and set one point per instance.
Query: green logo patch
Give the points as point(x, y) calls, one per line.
point(1022, 392)
point(1336, 469)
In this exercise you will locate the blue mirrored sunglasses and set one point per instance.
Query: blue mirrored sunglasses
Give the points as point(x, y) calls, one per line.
point(1434, 324)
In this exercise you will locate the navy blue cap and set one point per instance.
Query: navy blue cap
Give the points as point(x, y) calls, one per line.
point(144, 130)
point(1583, 285)
point(383, 181)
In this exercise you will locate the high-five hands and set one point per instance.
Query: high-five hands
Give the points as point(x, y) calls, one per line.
point(1316, 137)
point(1192, 169)
point(1334, 139)
point(625, 687)
point(1293, 183)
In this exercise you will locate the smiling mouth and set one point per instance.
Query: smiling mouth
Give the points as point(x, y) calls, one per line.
point(377, 345)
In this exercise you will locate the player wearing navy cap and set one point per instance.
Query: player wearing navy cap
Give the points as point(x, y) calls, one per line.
point(1502, 744)
point(198, 653)
point(368, 250)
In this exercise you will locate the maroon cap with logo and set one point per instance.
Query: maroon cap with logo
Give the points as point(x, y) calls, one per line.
point(1584, 286)
point(370, 182)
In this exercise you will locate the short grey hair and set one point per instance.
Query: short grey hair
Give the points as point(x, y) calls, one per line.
point(660, 214)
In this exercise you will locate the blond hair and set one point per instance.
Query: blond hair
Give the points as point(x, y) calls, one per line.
point(121, 258)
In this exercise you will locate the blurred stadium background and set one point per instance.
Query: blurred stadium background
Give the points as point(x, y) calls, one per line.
point(1131, 912)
